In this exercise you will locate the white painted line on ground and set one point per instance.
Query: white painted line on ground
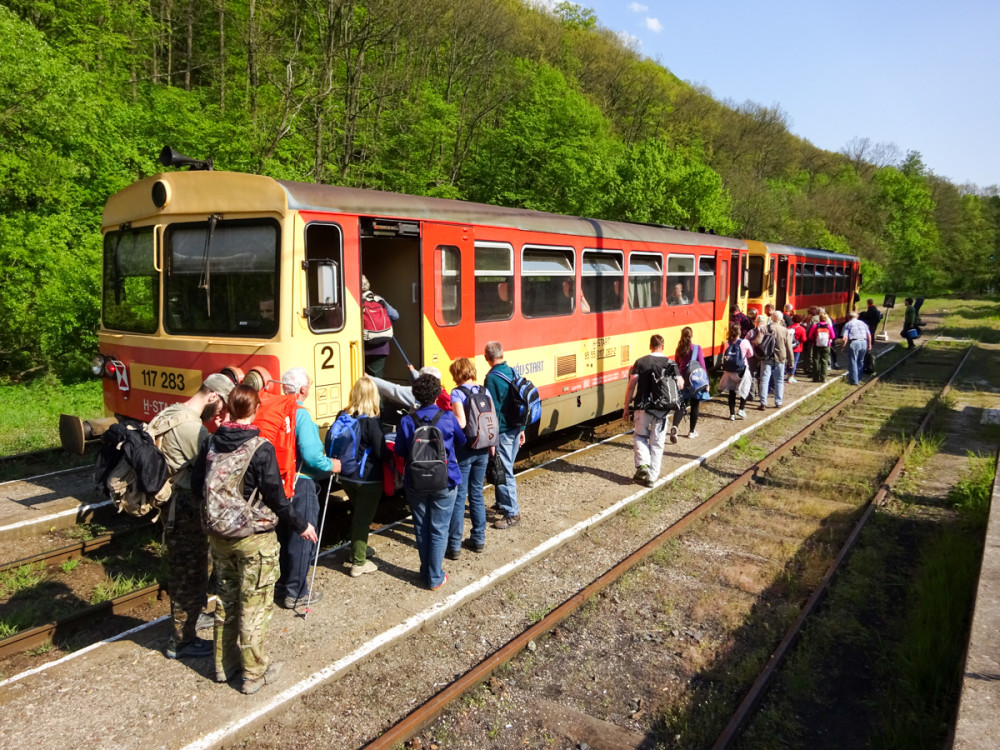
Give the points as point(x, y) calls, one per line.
point(82, 651)
point(42, 476)
point(53, 516)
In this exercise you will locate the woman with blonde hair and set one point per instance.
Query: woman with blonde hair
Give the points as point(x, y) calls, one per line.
point(364, 485)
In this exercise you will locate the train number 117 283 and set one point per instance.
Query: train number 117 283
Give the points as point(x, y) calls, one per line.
point(165, 379)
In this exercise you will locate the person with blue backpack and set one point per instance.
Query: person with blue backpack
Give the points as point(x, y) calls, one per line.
point(473, 407)
point(498, 382)
point(691, 363)
point(737, 376)
point(426, 440)
point(357, 440)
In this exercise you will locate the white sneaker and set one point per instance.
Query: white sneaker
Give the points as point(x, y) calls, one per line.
point(792, 380)
point(741, 414)
point(732, 417)
point(692, 434)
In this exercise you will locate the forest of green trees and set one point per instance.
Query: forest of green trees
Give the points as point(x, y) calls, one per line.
point(485, 100)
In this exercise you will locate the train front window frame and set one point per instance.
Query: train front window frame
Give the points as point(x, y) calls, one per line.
point(602, 277)
point(548, 281)
point(645, 280)
point(494, 274)
point(219, 275)
point(706, 278)
point(447, 285)
point(680, 271)
point(324, 252)
point(131, 284)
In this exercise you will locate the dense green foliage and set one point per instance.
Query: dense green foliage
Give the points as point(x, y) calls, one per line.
point(488, 100)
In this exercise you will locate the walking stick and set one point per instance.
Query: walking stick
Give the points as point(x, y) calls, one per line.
point(319, 541)
point(402, 353)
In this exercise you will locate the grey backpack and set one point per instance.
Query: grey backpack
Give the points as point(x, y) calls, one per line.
point(226, 512)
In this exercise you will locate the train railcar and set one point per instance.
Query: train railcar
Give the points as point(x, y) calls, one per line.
point(207, 271)
point(780, 275)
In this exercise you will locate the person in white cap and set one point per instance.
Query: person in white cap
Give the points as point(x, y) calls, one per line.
point(187, 545)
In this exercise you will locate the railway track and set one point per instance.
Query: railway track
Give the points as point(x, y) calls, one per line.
point(826, 481)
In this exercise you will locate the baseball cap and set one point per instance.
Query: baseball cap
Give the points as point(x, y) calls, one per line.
point(219, 383)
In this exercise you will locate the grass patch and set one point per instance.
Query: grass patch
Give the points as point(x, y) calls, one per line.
point(30, 413)
point(119, 585)
point(68, 566)
point(21, 578)
point(84, 532)
point(744, 449)
point(971, 494)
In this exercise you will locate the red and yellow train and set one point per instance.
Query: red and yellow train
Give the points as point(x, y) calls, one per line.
point(209, 271)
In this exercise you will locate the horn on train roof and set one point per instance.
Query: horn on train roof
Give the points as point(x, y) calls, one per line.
point(171, 158)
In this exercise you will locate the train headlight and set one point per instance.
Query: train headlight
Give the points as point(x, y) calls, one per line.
point(97, 365)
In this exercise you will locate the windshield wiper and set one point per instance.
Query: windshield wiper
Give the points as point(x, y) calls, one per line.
point(205, 282)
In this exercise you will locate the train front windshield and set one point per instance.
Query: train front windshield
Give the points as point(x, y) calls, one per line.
point(222, 278)
point(131, 284)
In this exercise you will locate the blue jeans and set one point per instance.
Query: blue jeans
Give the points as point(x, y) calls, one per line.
point(296, 553)
point(507, 495)
point(431, 519)
point(473, 468)
point(856, 360)
point(778, 368)
point(795, 365)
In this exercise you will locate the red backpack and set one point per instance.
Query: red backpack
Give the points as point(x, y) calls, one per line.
point(376, 321)
point(276, 420)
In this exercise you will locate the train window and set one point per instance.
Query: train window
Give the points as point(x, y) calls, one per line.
point(680, 279)
point(830, 274)
point(841, 280)
point(645, 281)
point(324, 277)
point(494, 281)
point(706, 279)
point(448, 283)
point(131, 283)
point(792, 279)
point(771, 276)
point(807, 278)
point(222, 278)
point(724, 280)
point(602, 280)
point(548, 281)
point(756, 288)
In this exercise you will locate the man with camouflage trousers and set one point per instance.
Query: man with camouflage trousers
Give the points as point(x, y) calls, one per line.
point(187, 545)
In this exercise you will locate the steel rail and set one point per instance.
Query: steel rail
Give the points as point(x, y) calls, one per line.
point(44, 634)
point(731, 733)
point(76, 550)
point(429, 711)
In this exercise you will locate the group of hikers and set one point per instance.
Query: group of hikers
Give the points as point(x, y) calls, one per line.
point(229, 498)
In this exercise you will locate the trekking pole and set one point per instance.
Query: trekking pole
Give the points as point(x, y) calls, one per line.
point(319, 541)
point(402, 353)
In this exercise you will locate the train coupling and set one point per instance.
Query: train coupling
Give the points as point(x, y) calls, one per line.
point(75, 432)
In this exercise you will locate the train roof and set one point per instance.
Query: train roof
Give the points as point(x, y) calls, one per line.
point(808, 252)
point(313, 197)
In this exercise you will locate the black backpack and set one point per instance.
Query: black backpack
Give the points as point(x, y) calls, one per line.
point(767, 343)
point(662, 394)
point(428, 458)
point(482, 429)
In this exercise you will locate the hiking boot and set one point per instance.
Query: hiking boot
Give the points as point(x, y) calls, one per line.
point(673, 434)
point(641, 474)
point(494, 512)
point(359, 570)
point(762, 407)
point(290, 603)
point(205, 620)
point(196, 649)
point(474, 546)
point(453, 554)
point(252, 686)
point(507, 521)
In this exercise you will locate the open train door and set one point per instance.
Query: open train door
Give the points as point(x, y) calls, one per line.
point(782, 293)
point(449, 292)
point(727, 265)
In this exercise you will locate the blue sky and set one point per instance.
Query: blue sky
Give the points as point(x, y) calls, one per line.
point(922, 75)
